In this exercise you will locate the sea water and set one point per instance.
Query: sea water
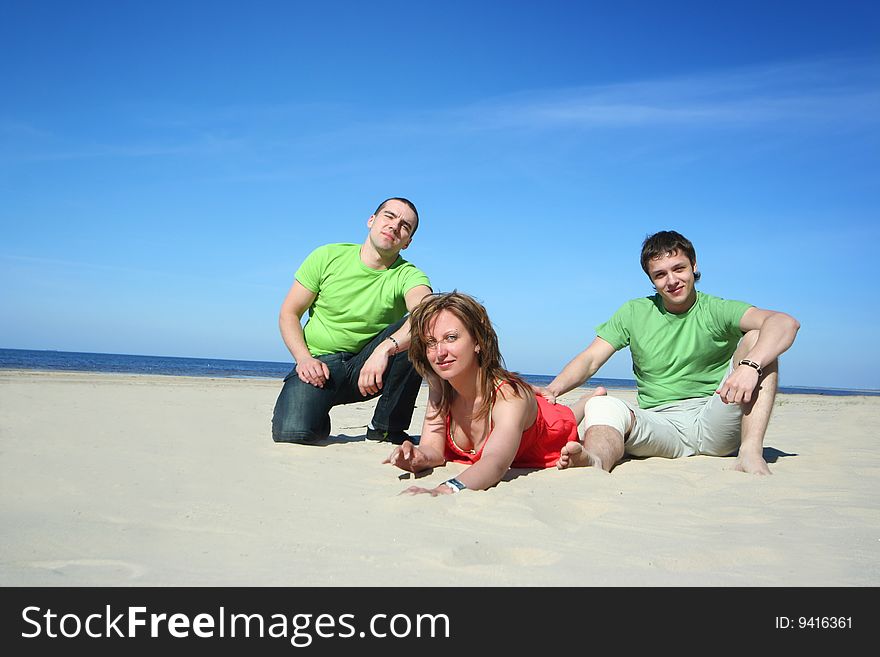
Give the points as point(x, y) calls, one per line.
point(72, 361)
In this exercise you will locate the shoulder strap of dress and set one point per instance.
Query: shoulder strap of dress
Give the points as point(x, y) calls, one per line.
point(498, 384)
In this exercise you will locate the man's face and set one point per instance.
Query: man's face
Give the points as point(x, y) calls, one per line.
point(391, 228)
point(673, 277)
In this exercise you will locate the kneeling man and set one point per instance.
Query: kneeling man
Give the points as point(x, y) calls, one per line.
point(353, 346)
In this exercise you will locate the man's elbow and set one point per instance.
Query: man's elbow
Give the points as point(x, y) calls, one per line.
point(787, 324)
point(288, 314)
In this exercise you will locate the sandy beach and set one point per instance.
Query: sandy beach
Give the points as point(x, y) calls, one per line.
point(118, 480)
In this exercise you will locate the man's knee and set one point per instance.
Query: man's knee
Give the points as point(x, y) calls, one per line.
point(301, 414)
point(297, 438)
point(610, 412)
point(288, 430)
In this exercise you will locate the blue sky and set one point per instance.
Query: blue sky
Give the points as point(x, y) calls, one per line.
point(165, 166)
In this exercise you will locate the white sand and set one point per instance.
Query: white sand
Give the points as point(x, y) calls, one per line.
point(117, 480)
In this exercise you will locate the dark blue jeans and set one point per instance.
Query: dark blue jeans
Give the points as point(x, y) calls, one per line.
point(302, 411)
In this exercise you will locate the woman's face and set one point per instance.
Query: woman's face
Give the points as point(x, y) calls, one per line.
point(451, 348)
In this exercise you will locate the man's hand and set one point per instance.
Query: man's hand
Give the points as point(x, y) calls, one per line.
point(408, 457)
point(751, 464)
point(739, 386)
point(545, 393)
point(370, 380)
point(311, 370)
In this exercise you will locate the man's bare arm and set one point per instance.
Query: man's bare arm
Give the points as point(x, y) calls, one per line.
point(581, 368)
point(296, 303)
point(370, 379)
point(776, 333)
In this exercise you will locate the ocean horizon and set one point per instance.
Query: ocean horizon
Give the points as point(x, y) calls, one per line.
point(75, 361)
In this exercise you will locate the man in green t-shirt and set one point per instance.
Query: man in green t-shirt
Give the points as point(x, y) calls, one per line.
point(706, 370)
point(353, 346)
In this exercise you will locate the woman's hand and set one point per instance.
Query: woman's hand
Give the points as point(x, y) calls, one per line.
point(408, 457)
point(433, 492)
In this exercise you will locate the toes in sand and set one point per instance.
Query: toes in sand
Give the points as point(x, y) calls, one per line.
point(573, 455)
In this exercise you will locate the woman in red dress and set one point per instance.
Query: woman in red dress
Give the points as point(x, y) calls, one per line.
point(478, 412)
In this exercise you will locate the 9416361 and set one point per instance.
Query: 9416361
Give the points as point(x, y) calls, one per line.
point(814, 623)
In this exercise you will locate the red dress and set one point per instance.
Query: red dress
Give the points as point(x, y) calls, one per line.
point(541, 443)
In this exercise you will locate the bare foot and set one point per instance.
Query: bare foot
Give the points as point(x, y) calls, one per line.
point(573, 455)
point(751, 464)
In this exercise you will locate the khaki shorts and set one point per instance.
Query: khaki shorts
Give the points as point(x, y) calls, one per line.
point(704, 425)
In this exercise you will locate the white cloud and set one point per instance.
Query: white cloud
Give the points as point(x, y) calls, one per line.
point(839, 90)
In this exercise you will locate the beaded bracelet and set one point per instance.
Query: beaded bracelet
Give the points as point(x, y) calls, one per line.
point(752, 364)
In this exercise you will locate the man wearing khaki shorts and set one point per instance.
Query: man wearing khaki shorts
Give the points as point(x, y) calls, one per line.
point(706, 370)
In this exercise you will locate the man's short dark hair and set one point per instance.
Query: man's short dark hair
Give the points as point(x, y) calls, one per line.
point(407, 203)
point(667, 242)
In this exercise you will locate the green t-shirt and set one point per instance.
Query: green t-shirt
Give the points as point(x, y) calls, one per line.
point(676, 357)
point(354, 303)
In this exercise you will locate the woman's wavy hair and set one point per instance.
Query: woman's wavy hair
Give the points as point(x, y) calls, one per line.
point(476, 321)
